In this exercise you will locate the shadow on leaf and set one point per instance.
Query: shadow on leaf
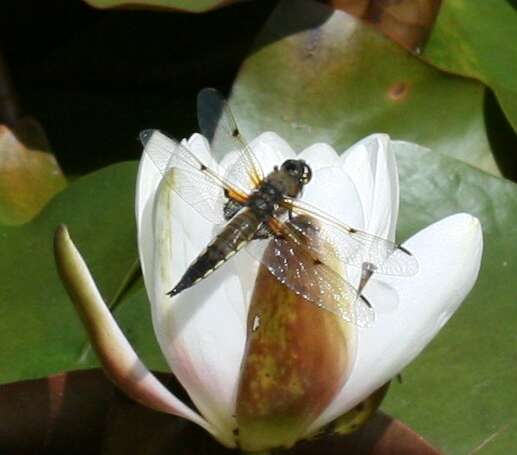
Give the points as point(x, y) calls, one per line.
point(82, 412)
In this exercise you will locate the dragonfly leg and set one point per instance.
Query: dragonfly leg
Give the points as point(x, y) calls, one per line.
point(367, 270)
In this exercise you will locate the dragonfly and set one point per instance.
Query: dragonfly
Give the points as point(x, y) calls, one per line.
point(298, 243)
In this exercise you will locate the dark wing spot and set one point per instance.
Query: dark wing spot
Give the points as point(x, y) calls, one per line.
point(317, 262)
point(365, 300)
point(401, 248)
point(369, 267)
point(203, 167)
point(235, 132)
point(236, 432)
point(352, 230)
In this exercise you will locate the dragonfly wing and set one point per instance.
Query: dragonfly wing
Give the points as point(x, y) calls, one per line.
point(197, 183)
point(293, 266)
point(217, 122)
point(349, 245)
point(205, 197)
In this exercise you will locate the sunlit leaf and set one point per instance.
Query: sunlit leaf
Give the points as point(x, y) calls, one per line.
point(477, 39)
point(40, 333)
point(28, 179)
point(407, 22)
point(193, 6)
point(318, 75)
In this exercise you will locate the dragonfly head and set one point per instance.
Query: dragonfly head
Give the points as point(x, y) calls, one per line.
point(299, 170)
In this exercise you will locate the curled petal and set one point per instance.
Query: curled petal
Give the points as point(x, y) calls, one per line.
point(319, 156)
point(118, 358)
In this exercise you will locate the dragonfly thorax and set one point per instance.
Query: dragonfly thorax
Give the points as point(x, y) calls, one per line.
point(265, 199)
point(286, 180)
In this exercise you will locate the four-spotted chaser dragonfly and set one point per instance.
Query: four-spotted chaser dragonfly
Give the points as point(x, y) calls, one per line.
point(264, 214)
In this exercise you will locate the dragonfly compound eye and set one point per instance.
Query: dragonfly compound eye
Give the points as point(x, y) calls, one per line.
point(307, 174)
point(293, 167)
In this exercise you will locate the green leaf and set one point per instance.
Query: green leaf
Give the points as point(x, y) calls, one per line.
point(28, 179)
point(477, 39)
point(193, 6)
point(318, 76)
point(40, 333)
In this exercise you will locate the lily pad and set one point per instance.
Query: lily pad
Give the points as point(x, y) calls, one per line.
point(477, 39)
point(28, 179)
point(319, 74)
point(39, 330)
point(196, 6)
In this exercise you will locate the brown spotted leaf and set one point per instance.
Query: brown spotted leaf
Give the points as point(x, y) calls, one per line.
point(317, 74)
point(407, 22)
point(478, 39)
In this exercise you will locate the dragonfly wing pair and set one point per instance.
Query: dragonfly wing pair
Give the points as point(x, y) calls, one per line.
point(301, 249)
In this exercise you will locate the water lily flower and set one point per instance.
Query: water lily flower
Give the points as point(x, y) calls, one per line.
point(257, 389)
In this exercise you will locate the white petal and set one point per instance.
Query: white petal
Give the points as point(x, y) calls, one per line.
point(371, 165)
point(449, 253)
point(269, 148)
point(319, 156)
point(193, 329)
point(198, 145)
point(147, 182)
point(332, 191)
point(202, 330)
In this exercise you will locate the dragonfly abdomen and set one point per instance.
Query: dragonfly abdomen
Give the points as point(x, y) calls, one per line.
point(236, 234)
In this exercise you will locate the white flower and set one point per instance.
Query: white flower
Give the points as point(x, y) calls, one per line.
point(202, 331)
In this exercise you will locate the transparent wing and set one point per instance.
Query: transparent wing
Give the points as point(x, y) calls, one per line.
point(200, 193)
point(217, 123)
point(187, 174)
point(296, 268)
point(346, 244)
